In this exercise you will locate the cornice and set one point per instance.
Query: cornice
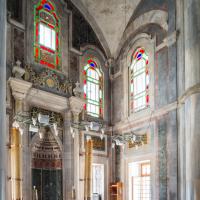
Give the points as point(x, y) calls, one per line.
point(134, 122)
point(189, 92)
point(23, 90)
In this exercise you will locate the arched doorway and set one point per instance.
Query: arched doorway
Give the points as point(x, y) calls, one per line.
point(46, 167)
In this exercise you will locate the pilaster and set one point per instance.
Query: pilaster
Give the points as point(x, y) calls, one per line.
point(191, 102)
point(20, 90)
point(67, 157)
point(76, 106)
point(3, 28)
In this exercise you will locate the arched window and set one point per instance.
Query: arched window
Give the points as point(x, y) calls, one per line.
point(139, 81)
point(47, 35)
point(93, 89)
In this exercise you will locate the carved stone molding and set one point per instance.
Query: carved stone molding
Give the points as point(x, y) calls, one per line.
point(23, 90)
point(189, 92)
point(76, 105)
point(19, 88)
point(48, 80)
point(47, 100)
point(168, 41)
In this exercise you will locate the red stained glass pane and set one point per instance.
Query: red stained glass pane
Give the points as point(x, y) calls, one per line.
point(36, 52)
point(50, 26)
point(147, 99)
point(57, 60)
point(142, 50)
point(57, 40)
point(37, 32)
point(48, 64)
point(47, 49)
point(51, 6)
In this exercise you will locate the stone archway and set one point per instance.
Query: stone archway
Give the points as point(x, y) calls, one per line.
point(46, 167)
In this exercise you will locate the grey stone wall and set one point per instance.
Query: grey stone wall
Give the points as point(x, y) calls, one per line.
point(161, 76)
point(3, 164)
point(20, 40)
point(165, 95)
point(117, 99)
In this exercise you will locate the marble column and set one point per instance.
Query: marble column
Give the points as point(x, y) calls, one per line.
point(76, 106)
point(26, 159)
point(192, 97)
point(3, 13)
point(20, 90)
point(67, 157)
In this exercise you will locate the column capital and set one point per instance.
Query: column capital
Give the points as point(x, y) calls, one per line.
point(110, 62)
point(76, 105)
point(19, 88)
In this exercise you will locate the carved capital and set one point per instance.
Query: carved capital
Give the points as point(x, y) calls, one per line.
point(19, 88)
point(76, 105)
point(110, 62)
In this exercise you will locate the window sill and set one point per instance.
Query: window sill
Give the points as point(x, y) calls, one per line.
point(140, 113)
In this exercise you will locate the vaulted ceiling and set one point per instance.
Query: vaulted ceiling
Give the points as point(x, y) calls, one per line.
point(111, 17)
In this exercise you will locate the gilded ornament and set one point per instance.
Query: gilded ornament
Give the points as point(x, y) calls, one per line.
point(50, 82)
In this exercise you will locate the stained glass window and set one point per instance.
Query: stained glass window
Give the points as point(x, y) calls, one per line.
point(93, 89)
point(139, 81)
point(47, 35)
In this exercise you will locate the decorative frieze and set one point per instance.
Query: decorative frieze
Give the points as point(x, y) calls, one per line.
point(76, 105)
point(49, 80)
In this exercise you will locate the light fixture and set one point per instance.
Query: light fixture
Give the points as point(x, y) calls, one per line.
point(72, 131)
point(86, 128)
point(102, 136)
point(102, 131)
point(55, 127)
point(43, 119)
point(134, 138)
point(130, 138)
point(73, 134)
point(88, 137)
point(34, 120)
point(21, 131)
point(91, 125)
point(56, 132)
point(15, 124)
point(33, 128)
point(40, 135)
point(113, 145)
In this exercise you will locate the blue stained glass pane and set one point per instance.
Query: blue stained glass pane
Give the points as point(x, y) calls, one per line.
point(92, 64)
point(139, 56)
point(47, 6)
